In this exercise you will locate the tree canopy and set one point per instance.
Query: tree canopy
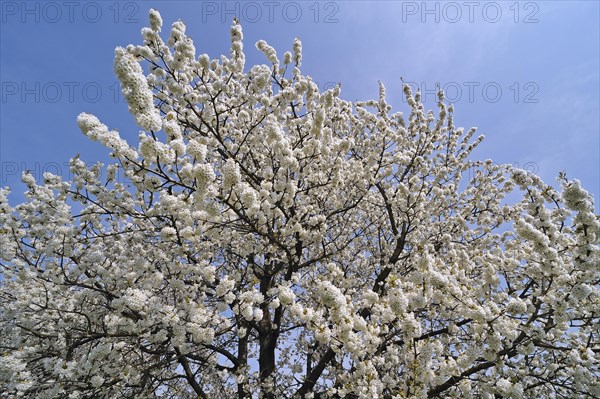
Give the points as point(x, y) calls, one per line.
point(266, 239)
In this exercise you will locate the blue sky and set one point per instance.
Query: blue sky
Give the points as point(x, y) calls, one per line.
point(525, 73)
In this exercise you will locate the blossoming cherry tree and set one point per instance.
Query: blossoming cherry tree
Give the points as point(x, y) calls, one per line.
point(268, 240)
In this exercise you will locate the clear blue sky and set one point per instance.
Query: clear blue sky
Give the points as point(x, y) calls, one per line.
point(525, 73)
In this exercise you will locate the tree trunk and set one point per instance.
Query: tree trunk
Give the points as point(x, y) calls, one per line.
point(268, 343)
point(267, 338)
point(242, 362)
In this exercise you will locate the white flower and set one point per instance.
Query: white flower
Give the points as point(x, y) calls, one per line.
point(168, 232)
point(575, 197)
point(224, 286)
point(136, 91)
point(135, 299)
point(286, 295)
point(231, 174)
point(205, 175)
point(172, 129)
point(97, 131)
point(229, 298)
point(297, 52)
point(581, 291)
point(371, 297)
point(155, 20)
point(269, 52)
point(28, 178)
point(508, 390)
point(247, 312)
point(97, 381)
point(275, 303)
point(249, 198)
point(237, 47)
point(330, 295)
point(147, 147)
point(516, 305)
point(178, 146)
point(90, 125)
point(197, 150)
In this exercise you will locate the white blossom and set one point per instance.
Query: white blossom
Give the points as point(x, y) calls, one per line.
point(155, 20)
point(269, 52)
point(298, 52)
point(231, 174)
point(135, 89)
